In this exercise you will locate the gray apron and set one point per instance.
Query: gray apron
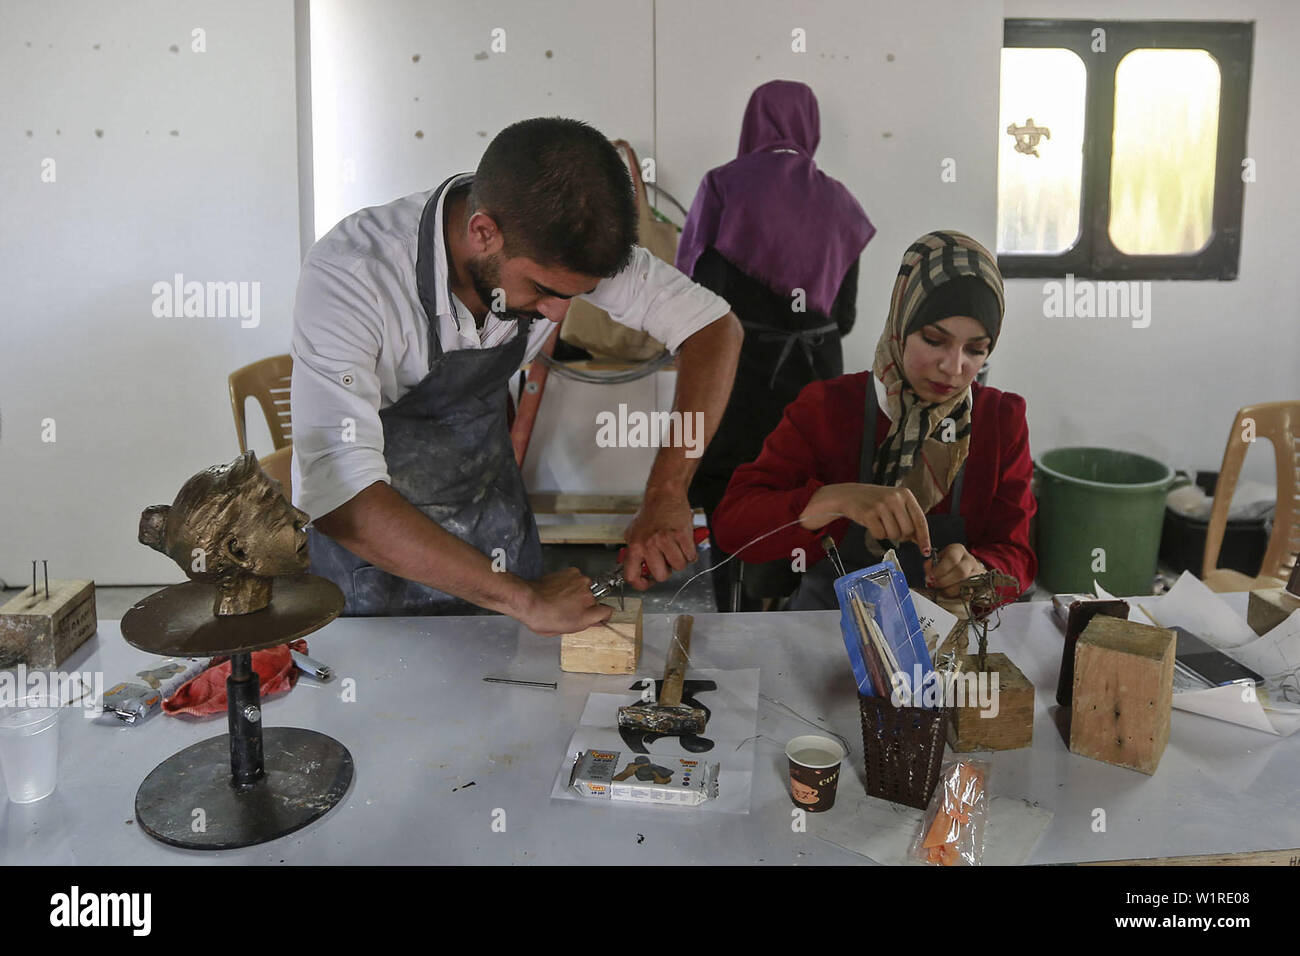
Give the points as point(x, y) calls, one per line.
point(817, 586)
point(448, 450)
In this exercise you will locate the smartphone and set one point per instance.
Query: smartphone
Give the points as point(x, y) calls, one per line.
point(1197, 658)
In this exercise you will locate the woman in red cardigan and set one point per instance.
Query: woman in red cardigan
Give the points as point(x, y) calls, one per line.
point(945, 474)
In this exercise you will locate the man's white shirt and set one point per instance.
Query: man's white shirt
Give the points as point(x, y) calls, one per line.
point(361, 339)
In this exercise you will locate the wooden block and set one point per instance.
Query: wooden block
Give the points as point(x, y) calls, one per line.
point(1123, 693)
point(1076, 619)
point(42, 632)
point(1269, 607)
point(610, 648)
point(1012, 727)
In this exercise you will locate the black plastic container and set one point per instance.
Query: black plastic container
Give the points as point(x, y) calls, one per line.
point(1182, 543)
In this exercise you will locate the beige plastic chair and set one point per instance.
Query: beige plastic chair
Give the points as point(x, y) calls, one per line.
point(267, 381)
point(1278, 422)
point(276, 465)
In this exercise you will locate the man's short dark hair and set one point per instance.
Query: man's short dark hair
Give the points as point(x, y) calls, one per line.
point(561, 195)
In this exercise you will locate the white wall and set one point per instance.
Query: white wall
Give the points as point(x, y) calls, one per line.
point(887, 124)
point(590, 60)
point(1171, 390)
point(139, 402)
point(709, 58)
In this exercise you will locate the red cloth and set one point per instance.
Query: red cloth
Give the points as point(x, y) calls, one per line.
point(206, 693)
point(819, 442)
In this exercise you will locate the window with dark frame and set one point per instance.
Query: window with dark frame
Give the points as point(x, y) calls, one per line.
point(1122, 148)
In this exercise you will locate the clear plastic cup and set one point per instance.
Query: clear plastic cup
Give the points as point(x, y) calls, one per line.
point(29, 748)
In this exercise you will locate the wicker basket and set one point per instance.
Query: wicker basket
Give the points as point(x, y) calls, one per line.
point(903, 747)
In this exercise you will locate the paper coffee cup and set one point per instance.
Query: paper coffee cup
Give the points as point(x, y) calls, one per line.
point(814, 771)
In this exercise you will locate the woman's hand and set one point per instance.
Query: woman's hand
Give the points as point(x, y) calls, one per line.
point(887, 513)
point(955, 565)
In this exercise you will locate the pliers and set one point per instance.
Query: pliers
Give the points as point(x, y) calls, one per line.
point(615, 581)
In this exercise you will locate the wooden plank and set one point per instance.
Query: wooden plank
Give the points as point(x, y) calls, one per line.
point(563, 503)
point(560, 503)
point(582, 533)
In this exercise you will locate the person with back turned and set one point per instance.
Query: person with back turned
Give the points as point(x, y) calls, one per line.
point(780, 240)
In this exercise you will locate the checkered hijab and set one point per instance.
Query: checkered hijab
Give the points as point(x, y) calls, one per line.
point(914, 454)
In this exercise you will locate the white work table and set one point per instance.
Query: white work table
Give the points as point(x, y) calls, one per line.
point(425, 726)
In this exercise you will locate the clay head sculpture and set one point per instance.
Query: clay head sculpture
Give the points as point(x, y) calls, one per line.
point(230, 525)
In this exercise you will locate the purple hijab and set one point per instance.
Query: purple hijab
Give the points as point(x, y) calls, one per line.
point(775, 215)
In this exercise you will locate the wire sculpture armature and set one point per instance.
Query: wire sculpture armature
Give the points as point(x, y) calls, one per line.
point(979, 599)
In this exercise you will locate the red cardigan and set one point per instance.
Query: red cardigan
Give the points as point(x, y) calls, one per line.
point(819, 442)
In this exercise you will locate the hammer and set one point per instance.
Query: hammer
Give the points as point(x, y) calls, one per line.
point(669, 715)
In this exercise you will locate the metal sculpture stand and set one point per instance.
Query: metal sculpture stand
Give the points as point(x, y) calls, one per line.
point(250, 785)
point(243, 546)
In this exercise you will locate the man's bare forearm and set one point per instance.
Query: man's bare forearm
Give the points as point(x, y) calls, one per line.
point(380, 526)
point(706, 369)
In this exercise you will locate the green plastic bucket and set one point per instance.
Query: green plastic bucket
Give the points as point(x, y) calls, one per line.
point(1100, 513)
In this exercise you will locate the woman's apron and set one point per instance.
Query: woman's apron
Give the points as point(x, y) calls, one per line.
point(817, 586)
point(448, 450)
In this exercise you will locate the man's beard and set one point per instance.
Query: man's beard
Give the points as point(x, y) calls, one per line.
point(485, 276)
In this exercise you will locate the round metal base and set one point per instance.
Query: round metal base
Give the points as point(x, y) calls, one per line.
point(306, 774)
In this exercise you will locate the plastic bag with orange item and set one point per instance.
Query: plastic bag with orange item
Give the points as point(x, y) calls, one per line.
point(952, 833)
